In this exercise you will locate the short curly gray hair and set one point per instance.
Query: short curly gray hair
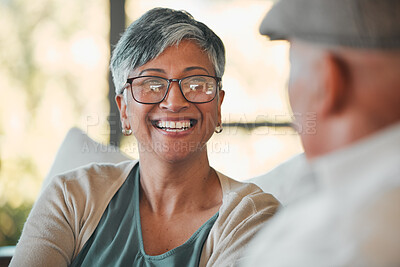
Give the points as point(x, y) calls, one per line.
point(152, 33)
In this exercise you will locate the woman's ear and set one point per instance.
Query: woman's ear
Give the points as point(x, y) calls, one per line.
point(221, 95)
point(123, 112)
point(334, 85)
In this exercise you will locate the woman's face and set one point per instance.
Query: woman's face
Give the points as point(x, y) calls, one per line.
point(174, 129)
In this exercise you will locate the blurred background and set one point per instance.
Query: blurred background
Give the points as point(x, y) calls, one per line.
point(54, 75)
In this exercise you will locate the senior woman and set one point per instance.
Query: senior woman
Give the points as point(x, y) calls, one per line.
point(170, 208)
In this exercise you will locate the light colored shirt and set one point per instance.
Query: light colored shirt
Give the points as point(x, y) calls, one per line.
point(69, 209)
point(288, 181)
point(353, 219)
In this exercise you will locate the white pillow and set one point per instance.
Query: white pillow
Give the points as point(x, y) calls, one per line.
point(78, 150)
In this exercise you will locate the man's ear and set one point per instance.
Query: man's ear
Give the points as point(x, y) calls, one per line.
point(334, 85)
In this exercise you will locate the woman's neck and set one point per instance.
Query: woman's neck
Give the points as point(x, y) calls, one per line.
point(173, 187)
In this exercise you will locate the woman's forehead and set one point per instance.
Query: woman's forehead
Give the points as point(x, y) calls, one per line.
point(187, 56)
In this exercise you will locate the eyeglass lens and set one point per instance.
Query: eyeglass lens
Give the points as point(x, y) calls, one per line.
point(195, 89)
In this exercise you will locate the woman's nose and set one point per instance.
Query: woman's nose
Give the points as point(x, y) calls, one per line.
point(174, 100)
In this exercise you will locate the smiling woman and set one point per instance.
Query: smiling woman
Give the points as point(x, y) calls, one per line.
point(170, 208)
point(180, 113)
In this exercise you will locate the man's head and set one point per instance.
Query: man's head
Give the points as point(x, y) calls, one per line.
point(345, 67)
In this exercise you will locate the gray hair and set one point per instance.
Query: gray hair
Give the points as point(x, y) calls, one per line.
point(147, 37)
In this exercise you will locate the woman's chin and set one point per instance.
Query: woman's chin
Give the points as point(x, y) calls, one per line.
point(178, 151)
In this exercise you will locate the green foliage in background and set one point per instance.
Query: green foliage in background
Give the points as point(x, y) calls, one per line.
point(11, 223)
point(50, 52)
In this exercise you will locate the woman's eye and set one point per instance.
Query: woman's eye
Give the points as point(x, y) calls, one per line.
point(155, 87)
point(196, 86)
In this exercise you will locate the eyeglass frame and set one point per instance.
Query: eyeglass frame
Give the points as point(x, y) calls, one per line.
point(217, 79)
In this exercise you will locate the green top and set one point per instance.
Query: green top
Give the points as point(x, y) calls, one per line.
point(117, 240)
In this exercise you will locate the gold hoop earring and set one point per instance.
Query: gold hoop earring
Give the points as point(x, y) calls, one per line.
point(126, 132)
point(219, 128)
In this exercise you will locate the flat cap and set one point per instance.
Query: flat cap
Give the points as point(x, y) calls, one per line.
point(351, 23)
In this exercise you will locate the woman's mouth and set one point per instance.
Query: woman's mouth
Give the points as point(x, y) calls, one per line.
point(174, 126)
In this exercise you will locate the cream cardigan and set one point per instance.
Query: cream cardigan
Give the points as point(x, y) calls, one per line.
point(71, 206)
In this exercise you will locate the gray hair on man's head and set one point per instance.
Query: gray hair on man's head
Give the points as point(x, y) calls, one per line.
point(147, 37)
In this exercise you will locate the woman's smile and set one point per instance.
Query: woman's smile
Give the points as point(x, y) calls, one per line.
point(174, 125)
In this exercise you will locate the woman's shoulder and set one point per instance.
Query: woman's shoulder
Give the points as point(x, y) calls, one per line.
point(94, 175)
point(79, 197)
point(88, 186)
point(68, 210)
point(243, 195)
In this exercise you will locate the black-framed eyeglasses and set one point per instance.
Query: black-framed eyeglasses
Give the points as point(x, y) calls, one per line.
point(153, 89)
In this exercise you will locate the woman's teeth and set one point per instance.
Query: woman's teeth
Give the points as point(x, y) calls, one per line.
point(174, 126)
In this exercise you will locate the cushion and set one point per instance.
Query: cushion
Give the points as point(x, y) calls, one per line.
point(78, 149)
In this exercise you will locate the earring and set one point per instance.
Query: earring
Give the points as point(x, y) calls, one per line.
point(126, 131)
point(219, 128)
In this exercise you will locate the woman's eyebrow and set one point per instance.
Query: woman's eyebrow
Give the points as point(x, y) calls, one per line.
point(196, 68)
point(163, 71)
point(157, 70)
